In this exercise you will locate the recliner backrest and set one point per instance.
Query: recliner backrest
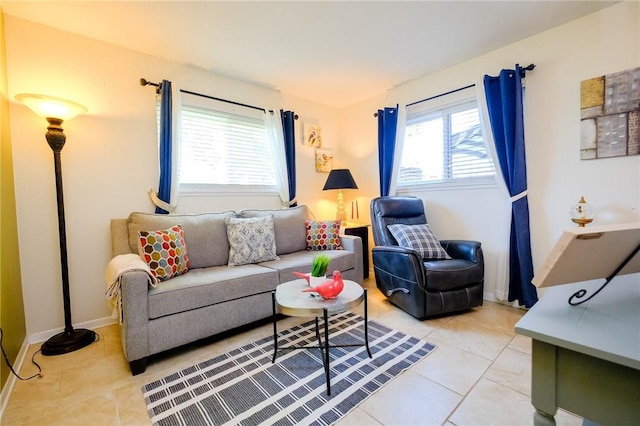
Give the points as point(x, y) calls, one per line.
point(390, 210)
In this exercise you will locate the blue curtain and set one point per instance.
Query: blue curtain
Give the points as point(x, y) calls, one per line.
point(166, 166)
point(288, 128)
point(505, 107)
point(387, 126)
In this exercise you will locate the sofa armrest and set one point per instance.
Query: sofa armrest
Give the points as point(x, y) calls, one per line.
point(119, 237)
point(464, 249)
point(134, 289)
point(354, 244)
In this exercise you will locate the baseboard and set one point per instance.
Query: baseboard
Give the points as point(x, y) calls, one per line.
point(91, 325)
point(11, 380)
point(489, 297)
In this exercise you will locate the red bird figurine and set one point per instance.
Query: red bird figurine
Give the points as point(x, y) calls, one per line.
point(330, 288)
point(301, 275)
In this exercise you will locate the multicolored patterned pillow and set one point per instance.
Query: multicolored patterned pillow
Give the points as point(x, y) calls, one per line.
point(165, 252)
point(419, 238)
point(251, 240)
point(323, 235)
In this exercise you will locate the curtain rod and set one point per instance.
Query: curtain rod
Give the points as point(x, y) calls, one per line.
point(442, 94)
point(523, 70)
point(145, 82)
point(529, 67)
point(436, 96)
point(225, 100)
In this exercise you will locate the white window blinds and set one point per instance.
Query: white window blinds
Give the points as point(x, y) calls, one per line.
point(443, 142)
point(224, 144)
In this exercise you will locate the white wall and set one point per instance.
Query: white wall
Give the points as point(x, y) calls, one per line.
point(598, 44)
point(110, 163)
point(353, 145)
point(309, 182)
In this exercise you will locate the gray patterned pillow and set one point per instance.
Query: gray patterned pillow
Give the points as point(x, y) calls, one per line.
point(419, 238)
point(251, 240)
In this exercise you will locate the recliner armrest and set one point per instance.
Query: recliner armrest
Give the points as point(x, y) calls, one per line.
point(464, 249)
point(401, 262)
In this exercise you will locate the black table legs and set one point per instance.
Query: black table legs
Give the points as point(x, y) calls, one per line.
point(324, 347)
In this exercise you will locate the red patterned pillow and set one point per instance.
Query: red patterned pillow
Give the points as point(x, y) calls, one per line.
point(165, 252)
point(323, 235)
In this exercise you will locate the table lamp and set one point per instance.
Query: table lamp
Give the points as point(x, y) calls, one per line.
point(340, 179)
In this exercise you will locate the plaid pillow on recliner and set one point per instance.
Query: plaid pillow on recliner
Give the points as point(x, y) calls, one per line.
point(419, 238)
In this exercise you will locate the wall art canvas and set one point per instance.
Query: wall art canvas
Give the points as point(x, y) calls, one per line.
point(324, 161)
point(610, 115)
point(312, 135)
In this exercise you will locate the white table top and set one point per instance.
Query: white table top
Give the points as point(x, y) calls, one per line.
point(293, 301)
point(605, 327)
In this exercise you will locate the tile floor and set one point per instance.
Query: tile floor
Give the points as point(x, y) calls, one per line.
point(479, 374)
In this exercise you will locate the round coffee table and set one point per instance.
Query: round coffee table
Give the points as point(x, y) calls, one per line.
point(289, 299)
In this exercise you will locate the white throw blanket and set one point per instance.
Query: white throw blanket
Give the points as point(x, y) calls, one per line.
point(118, 266)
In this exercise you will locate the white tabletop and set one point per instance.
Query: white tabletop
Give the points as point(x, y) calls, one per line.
point(606, 327)
point(293, 301)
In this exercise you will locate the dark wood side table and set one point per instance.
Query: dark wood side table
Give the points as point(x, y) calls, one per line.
point(361, 231)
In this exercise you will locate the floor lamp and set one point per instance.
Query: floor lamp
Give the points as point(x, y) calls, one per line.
point(56, 111)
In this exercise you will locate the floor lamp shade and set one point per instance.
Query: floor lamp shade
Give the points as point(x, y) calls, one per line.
point(57, 110)
point(48, 106)
point(340, 179)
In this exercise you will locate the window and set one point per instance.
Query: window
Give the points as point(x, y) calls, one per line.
point(224, 147)
point(444, 145)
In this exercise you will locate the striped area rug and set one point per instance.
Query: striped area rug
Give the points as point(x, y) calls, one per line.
point(243, 387)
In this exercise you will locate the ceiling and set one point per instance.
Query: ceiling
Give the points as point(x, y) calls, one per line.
point(332, 52)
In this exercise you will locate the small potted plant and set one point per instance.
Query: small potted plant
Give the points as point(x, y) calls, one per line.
point(319, 269)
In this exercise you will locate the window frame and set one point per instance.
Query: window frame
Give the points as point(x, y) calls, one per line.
point(204, 102)
point(450, 102)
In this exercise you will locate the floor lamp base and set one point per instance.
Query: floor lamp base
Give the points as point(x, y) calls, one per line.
point(68, 341)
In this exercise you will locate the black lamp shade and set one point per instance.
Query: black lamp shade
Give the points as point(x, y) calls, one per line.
point(340, 179)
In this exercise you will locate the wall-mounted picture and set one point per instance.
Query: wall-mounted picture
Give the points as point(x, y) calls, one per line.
point(312, 135)
point(324, 161)
point(610, 115)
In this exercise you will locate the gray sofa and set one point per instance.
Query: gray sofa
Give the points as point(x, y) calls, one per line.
point(212, 297)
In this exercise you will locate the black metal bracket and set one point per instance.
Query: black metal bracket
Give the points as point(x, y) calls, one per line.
point(582, 292)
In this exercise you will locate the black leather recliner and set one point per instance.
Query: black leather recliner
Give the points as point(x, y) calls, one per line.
point(423, 288)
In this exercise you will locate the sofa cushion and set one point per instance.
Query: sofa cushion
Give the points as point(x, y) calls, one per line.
point(205, 234)
point(165, 252)
point(251, 240)
point(323, 235)
point(419, 238)
point(289, 227)
point(208, 286)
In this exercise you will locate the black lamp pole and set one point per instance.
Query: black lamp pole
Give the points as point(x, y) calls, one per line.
point(69, 340)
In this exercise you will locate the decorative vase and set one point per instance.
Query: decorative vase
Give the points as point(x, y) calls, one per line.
point(316, 281)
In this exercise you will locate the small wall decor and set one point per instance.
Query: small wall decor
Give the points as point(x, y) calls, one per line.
point(324, 161)
point(312, 135)
point(610, 115)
